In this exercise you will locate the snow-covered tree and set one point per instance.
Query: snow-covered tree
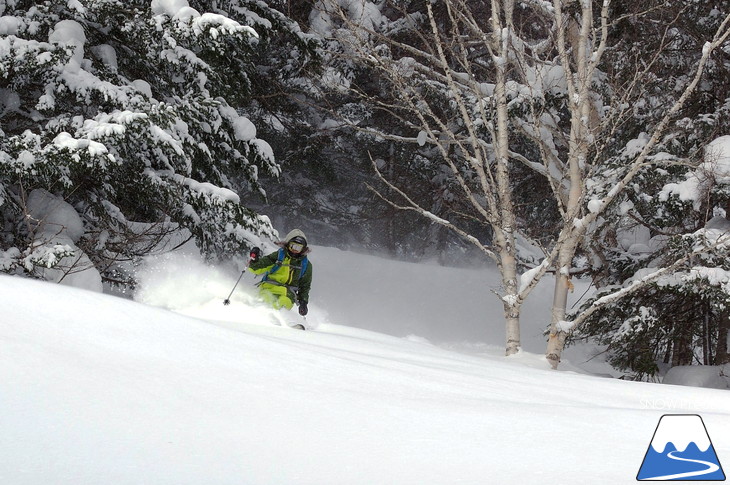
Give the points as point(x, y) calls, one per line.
point(680, 317)
point(492, 84)
point(130, 112)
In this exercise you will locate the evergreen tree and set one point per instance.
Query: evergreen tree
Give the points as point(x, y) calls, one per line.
point(678, 220)
point(131, 111)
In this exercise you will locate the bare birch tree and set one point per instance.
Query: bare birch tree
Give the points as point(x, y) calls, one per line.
point(579, 43)
point(496, 68)
point(471, 136)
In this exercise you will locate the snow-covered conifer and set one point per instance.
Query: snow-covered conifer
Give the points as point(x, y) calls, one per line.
point(131, 111)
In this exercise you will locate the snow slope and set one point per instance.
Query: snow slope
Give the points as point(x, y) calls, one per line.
point(96, 389)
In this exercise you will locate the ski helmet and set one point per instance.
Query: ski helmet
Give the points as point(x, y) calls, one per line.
point(296, 241)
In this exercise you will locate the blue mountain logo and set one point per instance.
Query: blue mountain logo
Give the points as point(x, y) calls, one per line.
point(681, 450)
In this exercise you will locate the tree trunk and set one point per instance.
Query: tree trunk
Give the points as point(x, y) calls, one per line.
point(723, 326)
point(510, 300)
point(668, 353)
point(392, 237)
point(505, 233)
point(558, 335)
point(579, 89)
point(512, 322)
point(721, 353)
point(706, 339)
point(683, 345)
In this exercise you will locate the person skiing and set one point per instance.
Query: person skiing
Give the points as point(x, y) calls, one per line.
point(287, 273)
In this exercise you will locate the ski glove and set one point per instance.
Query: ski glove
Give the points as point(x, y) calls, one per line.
point(255, 254)
point(303, 308)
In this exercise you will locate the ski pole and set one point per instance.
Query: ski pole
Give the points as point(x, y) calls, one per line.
point(227, 301)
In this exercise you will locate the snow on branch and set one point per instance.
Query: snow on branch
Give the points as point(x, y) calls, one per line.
point(217, 195)
point(715, 241)
point(181, 12)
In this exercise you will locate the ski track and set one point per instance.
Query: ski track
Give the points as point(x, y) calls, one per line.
point(712, 468)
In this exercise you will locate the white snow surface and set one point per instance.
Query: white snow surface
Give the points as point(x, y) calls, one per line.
point(176, 388)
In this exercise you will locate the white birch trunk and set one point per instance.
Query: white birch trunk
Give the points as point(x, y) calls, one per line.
point(575, 40)
point(505, 233)
point(511, 303)
point(558, 335)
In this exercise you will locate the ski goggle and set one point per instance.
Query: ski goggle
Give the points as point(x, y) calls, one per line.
point(296, 247)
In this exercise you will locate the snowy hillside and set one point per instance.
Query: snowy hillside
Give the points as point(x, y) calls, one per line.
point(101, 390)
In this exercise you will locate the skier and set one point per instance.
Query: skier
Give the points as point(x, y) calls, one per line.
point(287, 273)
